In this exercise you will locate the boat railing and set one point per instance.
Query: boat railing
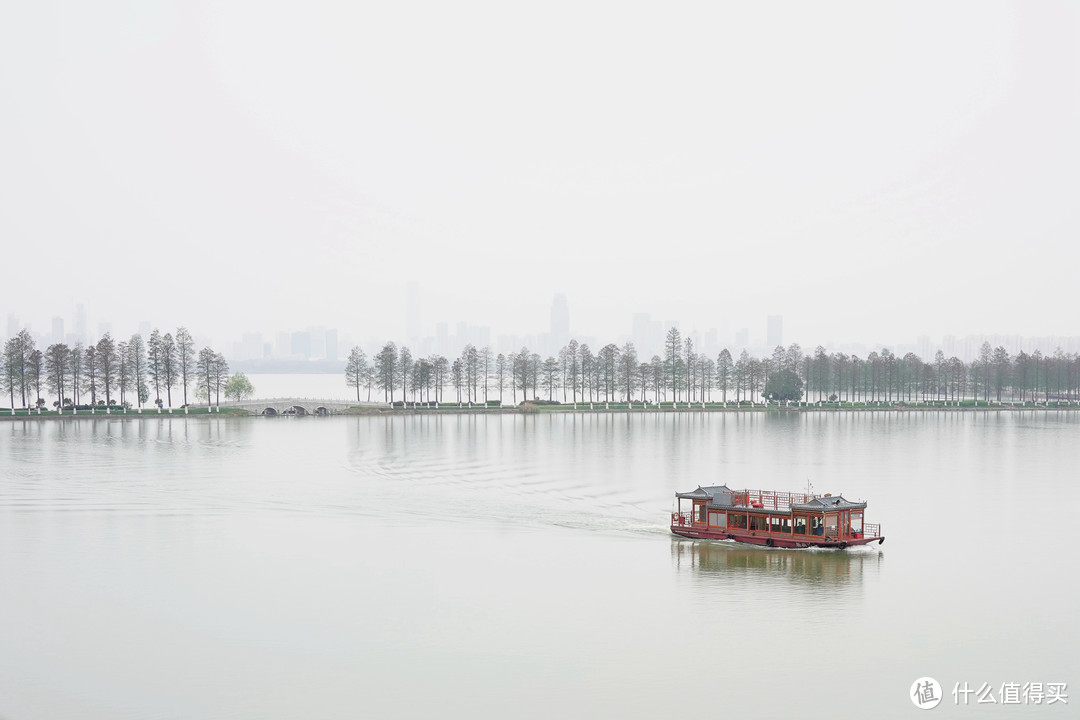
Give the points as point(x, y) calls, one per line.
point(682, 519)
point(769, 499)
point(871, 530)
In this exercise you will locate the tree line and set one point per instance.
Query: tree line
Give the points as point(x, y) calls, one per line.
point(681, 374)
point(108, 372)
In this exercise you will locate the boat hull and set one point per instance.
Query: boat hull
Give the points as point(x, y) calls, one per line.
point(769, 539)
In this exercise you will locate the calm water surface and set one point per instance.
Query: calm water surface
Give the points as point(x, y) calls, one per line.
point(521, 566)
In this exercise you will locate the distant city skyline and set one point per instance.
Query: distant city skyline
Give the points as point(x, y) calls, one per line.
point(323, 343)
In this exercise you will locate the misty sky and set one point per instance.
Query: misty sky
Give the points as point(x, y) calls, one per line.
point(870, 171)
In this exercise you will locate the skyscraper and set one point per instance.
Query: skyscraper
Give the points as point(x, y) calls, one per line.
point(80, 323)
point(774, 331)
point(560, 322)
point(412, 312)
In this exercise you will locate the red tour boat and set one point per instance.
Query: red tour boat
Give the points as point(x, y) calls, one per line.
point(776, 519)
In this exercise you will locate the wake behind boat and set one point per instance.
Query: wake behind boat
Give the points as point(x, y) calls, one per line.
point(775, 519)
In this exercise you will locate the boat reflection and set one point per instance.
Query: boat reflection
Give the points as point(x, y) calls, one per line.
point(716, 558)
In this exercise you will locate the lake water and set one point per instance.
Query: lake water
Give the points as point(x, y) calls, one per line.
point(521, 566)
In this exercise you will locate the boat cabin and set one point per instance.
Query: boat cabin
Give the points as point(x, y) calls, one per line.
point(779, 519)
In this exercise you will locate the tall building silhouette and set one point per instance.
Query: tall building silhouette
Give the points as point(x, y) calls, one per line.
point(774, 331)
point(560, 321)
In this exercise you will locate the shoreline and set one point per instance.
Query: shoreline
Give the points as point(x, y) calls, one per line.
point(530, 409)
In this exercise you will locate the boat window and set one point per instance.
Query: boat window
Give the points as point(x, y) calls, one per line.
point(785, 526)
point(830, 525)
point(701, 513)
point(856, 522)
point(800, 525)
point(737, 520)
point(817, 527)
point(758, 522)
point(717, 519)
point(776, 524)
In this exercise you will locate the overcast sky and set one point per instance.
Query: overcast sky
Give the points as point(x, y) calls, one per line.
point(870, 171)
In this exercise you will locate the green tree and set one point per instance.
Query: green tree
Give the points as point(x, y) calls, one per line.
point(784, 386)
point(239, 388)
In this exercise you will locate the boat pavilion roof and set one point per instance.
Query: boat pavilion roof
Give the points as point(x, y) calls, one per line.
point(706, 493)
point(829, 502)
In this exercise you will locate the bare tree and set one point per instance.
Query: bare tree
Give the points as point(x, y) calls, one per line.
point(185, 357)
point(136, 350)
point(221, 377)
point(405, 361)
point(356, 369)
point(628, 369)
point(106, 360)
point(78, 355)
point(672, 361)
point(36, 368)
point(169, 365)
point(386, 368)
point(155, 364)
point(91, 365)
point(723, 372)
point(500, 374)
point(57, 360)
point(204, 372)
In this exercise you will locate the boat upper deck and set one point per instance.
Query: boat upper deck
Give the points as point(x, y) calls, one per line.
point(781, 501)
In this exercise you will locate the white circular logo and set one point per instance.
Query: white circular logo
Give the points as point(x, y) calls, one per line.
point(925, 693)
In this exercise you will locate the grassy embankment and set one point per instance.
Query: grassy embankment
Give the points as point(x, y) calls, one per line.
point(113, 411)
point(744, 406)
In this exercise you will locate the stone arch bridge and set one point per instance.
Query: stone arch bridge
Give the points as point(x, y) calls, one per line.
point(291, 406)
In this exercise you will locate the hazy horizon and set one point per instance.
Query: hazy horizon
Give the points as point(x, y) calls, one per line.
point(870, 173)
